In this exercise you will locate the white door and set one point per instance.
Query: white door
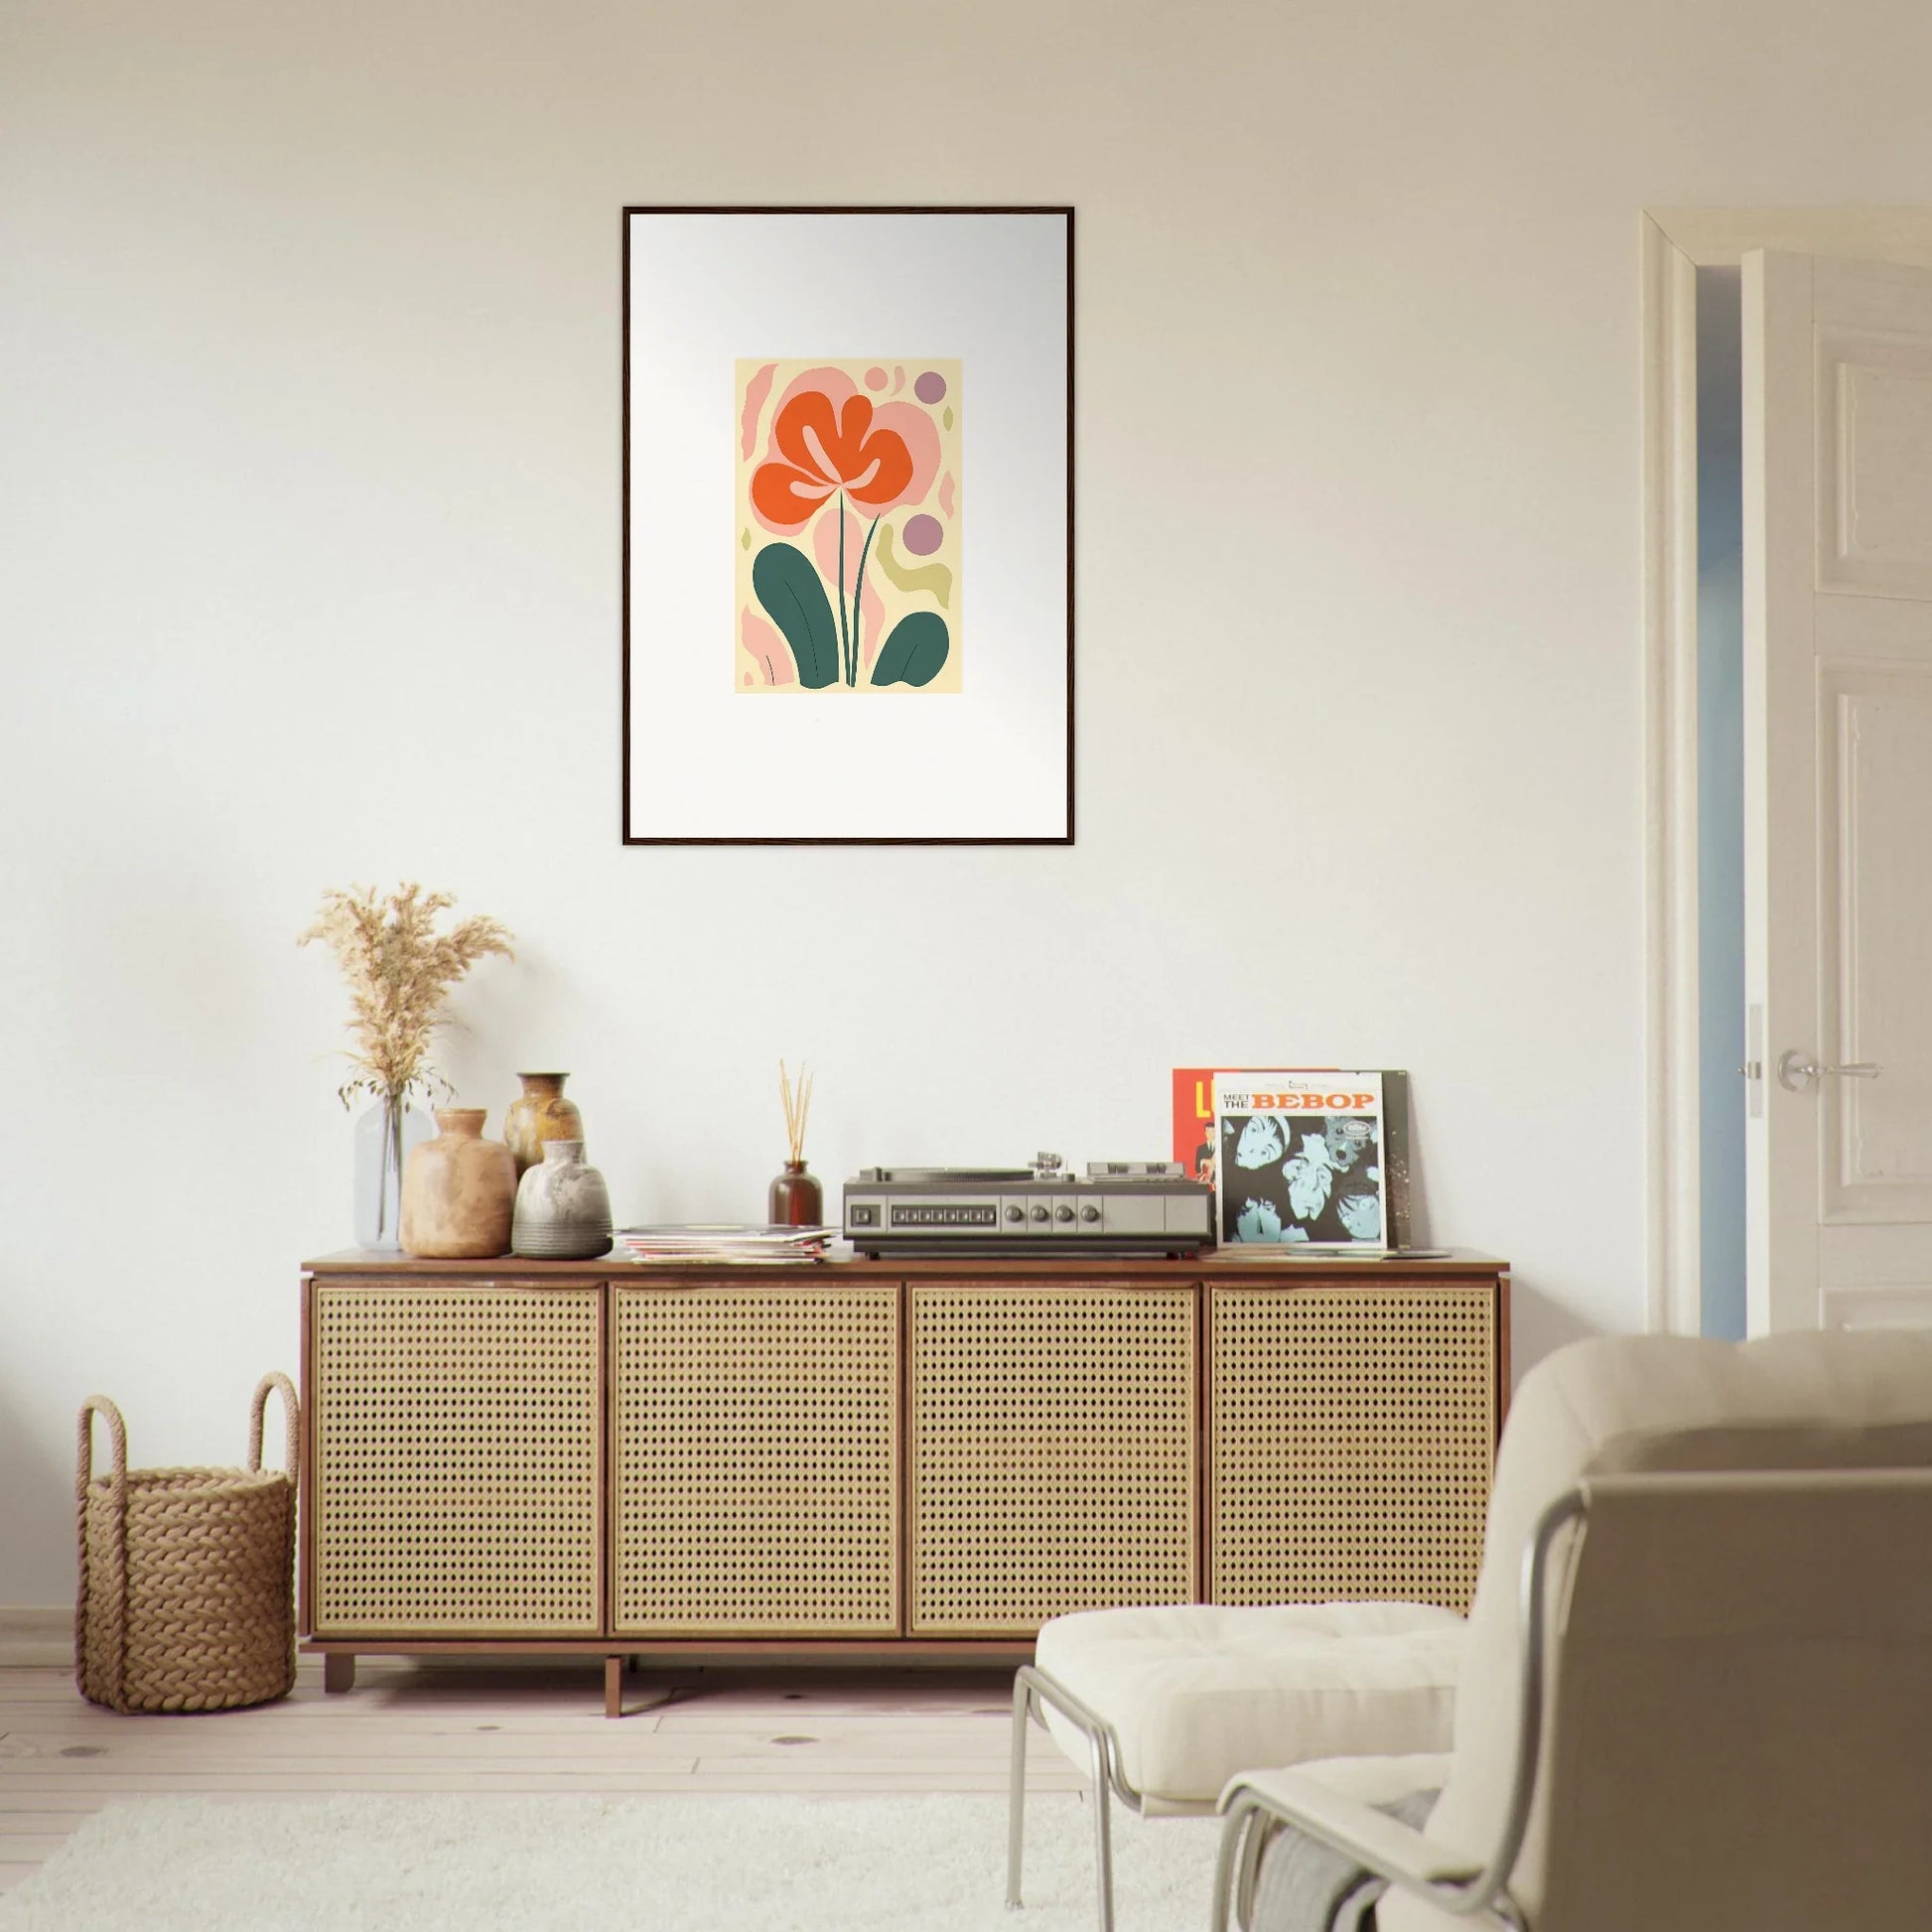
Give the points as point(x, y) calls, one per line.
point(1838, 790)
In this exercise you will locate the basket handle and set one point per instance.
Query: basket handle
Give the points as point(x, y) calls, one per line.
point(99, 1405)
point(112, 1586)
point(274, 1379)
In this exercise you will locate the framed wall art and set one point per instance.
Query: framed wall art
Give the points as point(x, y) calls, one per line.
point(848, 520)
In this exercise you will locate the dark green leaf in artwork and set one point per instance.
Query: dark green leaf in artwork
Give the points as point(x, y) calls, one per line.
point(915, 653)
point(795, 597)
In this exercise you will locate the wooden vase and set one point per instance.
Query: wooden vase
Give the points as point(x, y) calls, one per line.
point(540, 1113)
point(459, 1191)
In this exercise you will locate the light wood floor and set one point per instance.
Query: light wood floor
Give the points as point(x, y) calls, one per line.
point(453, 1727)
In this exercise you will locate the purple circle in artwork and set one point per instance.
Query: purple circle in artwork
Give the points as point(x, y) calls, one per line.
point(922, 535)
point(875, 378)
point(931, 387)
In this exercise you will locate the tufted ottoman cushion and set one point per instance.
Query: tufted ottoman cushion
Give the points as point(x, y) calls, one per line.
point(1196, 1692)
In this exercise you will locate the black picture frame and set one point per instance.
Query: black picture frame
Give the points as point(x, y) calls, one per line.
point(634, 835)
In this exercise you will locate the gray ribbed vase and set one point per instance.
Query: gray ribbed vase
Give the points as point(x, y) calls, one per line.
point(563, 1208)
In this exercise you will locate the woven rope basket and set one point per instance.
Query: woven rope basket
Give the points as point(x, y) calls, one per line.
point(186, 1598)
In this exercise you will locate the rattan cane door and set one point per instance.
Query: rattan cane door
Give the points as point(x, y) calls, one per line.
point(1351, 1437)
point(1054, 1463)
point(754, 1434)
point(456, 1459)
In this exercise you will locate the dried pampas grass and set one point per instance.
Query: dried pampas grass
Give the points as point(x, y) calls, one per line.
point(399, 970)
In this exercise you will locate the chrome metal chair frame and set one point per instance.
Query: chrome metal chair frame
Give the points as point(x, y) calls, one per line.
point(1033, 1687)
point(1481, 1896)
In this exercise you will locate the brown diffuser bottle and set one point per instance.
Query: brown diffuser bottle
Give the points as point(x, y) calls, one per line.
point(795, 1199)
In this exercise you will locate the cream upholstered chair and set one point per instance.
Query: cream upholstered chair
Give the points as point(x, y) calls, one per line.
point(1698, 1692)
point(1162, 1705)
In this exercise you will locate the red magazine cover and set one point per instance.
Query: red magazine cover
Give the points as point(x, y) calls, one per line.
point(1193, 1121)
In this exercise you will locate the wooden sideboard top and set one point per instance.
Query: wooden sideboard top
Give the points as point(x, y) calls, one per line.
point(1216, 1264)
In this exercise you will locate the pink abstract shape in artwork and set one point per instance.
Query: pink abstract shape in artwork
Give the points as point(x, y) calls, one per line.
point(914, 428)
point(828, 382)
point(898, 379)
point(945, 495)
point(875, 377)
point(767, 648)
point(873, 631)
point(756, 393)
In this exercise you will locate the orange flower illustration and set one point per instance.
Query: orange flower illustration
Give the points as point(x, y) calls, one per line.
point(838, 463)
point(827, 438)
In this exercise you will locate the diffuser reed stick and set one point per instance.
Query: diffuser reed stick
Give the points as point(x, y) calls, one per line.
point(797, 1105)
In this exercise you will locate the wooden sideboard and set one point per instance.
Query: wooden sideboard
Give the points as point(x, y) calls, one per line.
point(878, 1459)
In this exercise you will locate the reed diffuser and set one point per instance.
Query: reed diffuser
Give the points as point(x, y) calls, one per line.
point(795, 1200)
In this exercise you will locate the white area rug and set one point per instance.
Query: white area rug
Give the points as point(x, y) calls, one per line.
point(659, 1865)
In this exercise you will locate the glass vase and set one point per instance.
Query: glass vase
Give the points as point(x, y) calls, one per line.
point(384, 1134)
point(795, 1199)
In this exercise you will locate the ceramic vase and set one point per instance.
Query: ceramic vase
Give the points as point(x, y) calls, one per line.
point(795, 1199)
point(563, 1208)
point(384, 1135)
point(458, 1190)
point(539, 1114)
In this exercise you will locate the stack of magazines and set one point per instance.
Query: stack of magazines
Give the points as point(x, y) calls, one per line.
point(733, 1241)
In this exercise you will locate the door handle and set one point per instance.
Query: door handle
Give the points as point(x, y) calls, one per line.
point(1797, 1070)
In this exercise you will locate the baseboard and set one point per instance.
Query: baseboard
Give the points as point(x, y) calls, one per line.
point(41, 1636)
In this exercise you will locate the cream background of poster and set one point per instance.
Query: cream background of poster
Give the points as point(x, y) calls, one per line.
point(708, 289)
point(941, 503)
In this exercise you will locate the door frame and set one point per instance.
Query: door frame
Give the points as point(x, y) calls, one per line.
point(1675, 244)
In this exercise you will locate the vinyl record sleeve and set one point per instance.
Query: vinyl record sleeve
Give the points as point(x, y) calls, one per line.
point(1199, 1147)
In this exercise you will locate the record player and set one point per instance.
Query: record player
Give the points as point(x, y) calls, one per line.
point(1118, 1207)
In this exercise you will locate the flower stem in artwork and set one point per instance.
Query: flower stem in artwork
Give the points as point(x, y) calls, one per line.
point(844, 642)
point(857, 595)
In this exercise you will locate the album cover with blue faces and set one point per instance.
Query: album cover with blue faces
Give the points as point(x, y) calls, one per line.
point(1304, 1159)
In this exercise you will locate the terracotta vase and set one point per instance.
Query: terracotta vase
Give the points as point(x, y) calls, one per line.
point(539, 1114)
point(458, 1191)
point(563, 1208)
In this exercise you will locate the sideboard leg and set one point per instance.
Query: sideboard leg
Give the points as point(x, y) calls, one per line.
point(614, 1687)
point(339, 1670)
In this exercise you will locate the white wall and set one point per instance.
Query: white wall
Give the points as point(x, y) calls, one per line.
point(309, 573)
